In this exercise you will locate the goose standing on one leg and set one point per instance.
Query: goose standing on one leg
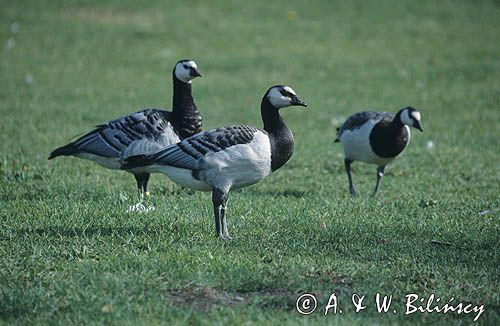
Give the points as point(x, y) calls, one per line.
point(376, 138)
point(230, 157)
point(142, 132)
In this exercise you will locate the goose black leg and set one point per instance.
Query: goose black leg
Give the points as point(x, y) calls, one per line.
point(225, 232)
point(145, 181)
point(348, 163)
point(142, 184)
point(219, 199)
point(380, 174)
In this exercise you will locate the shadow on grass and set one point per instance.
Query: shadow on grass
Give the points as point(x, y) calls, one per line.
point(285, 193)
point(207, 298)
point(10, 314)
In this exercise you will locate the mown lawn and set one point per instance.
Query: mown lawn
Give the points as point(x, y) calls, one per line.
point(69, 252)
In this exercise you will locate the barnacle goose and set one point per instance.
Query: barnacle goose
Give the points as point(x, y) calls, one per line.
point(376, 138)
point(226, 158)
point(142, 132)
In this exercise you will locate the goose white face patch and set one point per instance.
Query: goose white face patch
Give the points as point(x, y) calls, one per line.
point(289, 90)
point(416, 115)
point(277, 99)
point(409, 117)
point(183, 71)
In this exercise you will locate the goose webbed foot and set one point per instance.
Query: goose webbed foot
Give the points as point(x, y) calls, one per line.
point(140, 208)
point(142, 192)
point(225, 237)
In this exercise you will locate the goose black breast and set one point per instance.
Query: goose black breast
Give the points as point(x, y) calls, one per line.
point(387, 140)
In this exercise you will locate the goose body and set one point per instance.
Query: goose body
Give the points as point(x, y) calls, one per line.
point(142, 132)
point(376, 138)
point(367, 137)
point(226, 158)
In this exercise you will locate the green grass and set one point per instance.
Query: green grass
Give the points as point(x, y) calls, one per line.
point(69, 253)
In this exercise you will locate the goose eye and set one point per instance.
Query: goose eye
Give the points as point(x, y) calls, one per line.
point(185, 66)
point(284, 93)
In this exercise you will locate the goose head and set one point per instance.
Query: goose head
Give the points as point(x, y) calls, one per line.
point(281, 96)
point(186, 71)
point(411, 117)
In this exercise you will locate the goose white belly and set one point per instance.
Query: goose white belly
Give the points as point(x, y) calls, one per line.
point(357, 147)
point(112, 163)
point(182, 177)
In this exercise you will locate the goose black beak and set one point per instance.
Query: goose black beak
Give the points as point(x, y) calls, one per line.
point(418, 126)
point(194, 73)
point(297, 101)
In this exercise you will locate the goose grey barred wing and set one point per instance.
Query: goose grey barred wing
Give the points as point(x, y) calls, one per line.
point(112, 138)
point(148, 146)
point(120, 133)
point(356, 120)
point(190, 152)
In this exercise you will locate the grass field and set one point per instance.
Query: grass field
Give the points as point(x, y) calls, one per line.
point(69, 253)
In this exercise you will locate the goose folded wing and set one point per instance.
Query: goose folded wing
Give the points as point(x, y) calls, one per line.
point(112, 138)
point(189, 153)
point(356, 120)
point(97, 142)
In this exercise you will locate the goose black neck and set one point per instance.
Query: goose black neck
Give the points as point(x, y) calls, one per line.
point(185, 118)
point(389, 138)
point(273, 123)
point(280, 136)
point(396, 122)
point(182, 97)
